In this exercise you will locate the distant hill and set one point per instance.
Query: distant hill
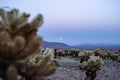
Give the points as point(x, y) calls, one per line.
point(57, 45)
point(95, 46)
point(60, 45)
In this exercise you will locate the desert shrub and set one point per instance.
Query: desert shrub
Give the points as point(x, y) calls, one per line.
point(91, 66)
point(84, 55)
point(18, 40)
point(101, 53)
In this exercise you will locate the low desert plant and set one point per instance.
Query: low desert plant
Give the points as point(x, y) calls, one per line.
point(85, 55)
point(91, 66)
point(18, 41)
point(118, 59)
point(101, 53)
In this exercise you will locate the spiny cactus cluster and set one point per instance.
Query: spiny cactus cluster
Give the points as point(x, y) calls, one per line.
point(67, 52)
point(101, 53)
point(18, 40)
point(92, 63)
point(118, 59)
point(42, 63)
point(114, 55)
point(91, 66)
point(84, 55)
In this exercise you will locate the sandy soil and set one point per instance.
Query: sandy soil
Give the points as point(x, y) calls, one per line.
point(68, 70)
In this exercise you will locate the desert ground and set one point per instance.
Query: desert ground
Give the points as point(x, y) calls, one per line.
point(68, 69)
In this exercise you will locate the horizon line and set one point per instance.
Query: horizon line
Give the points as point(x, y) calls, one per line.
point(82, 43)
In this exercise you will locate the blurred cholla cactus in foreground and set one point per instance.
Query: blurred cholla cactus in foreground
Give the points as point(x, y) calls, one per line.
point(18, 40)
point(43, 62)
point(91, 66)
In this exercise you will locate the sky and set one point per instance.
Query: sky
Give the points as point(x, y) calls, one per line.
point(74, 21)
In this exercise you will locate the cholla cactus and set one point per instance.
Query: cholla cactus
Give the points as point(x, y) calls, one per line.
point(84, 55)
point(114, 55)
point(118, 59)
point(91, 66)
point(60, 53)
point(101, 53)
point(18, 40)
point(43, 62)
point(74, 52)
point(18, 37)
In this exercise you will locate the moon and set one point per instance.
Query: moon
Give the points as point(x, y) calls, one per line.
point(60, 39)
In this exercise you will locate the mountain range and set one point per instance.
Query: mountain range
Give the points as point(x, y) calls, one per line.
point(57, 45)
point(60, 45)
